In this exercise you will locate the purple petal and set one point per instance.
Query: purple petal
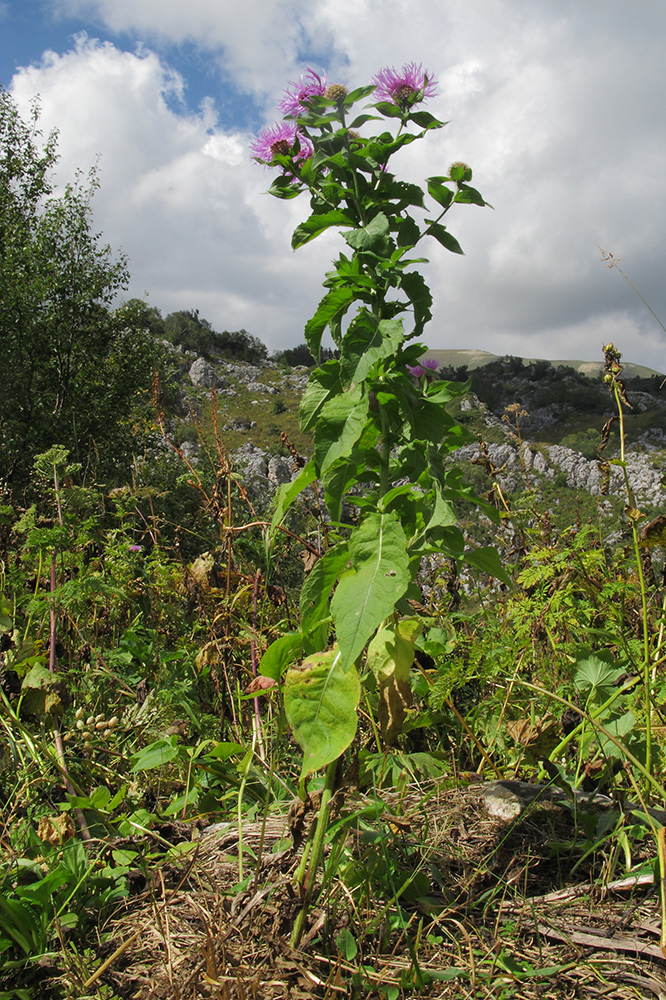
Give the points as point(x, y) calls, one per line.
point(406, 86)
point(297, 94)
point(278, 140)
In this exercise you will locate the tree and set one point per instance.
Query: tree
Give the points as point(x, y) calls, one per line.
point(188, 330)
point(138, 315)
point(72, 370)
point(240, 345)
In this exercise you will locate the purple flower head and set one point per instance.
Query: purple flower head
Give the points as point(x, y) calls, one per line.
point(278, 140)
point(405, 86)
point(426, 368)
point(297, 95)
point(135, 548)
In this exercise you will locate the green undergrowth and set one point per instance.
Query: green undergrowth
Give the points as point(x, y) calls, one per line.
point(147, 729)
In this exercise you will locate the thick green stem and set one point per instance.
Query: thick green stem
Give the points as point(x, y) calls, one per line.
point(385, 454)
point(306, 882)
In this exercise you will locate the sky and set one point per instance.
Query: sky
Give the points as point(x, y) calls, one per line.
point(559, 106)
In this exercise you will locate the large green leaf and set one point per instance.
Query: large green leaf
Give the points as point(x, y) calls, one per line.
point(318, 586)
point(316, 224)
point(156, 754)
point(353, 469)
point(487, 559)
point(374, 236)
point(320, 700)
point(334, 305)
point(289, 491)
point(364, 347)
point(281, 654)
point(339, 427)
point(323, 384)
point(368, 592)
point(596, 678)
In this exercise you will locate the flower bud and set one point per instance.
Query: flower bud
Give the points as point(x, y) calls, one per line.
point(460, 171)
point(79, 713)
point(80, 723)
point(90, 720)
point(113, 722)
point(98, 718)
point(101, 725)
point(336, 92)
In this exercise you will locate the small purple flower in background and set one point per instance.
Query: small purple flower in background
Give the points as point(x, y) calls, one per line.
point(278, 140)
point(425, 368)
point(405, 86)
point(136, 548)
point(297, 94)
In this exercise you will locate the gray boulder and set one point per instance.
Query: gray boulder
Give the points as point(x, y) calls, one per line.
point(279, 470)
point(203, 375)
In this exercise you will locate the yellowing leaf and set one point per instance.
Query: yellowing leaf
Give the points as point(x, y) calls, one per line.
point(390, 657)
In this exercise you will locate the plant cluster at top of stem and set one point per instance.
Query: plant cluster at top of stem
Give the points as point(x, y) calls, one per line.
point(379, 429)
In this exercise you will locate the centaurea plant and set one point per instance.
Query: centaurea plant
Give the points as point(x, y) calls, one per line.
point(374, 424)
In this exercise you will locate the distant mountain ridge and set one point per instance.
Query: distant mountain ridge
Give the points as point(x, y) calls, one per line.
point(477, 359)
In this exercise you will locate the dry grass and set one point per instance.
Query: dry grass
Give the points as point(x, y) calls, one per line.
point(510, 913)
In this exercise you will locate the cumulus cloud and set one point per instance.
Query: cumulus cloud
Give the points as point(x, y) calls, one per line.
point(179, 195)
point(255, 44)
point(554, 106)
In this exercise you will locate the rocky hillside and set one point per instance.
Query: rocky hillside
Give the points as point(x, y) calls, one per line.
point(540, 423)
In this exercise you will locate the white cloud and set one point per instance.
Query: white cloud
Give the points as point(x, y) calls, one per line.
point(256, 43)
point(556, 107)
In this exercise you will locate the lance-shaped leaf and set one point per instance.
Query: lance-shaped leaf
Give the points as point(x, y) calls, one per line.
point(487, 559)
point(316, 224)
point(368, 592)
point(289, 491)
point(318, 586)
point(438, 190)
point(331, 308)
point(365, 346)
point(323, 384)
point(443, 236)
point(320, 700)
point(414, 285)
point(339, 427)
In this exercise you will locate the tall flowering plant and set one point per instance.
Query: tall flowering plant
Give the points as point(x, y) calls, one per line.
point(377, 416)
